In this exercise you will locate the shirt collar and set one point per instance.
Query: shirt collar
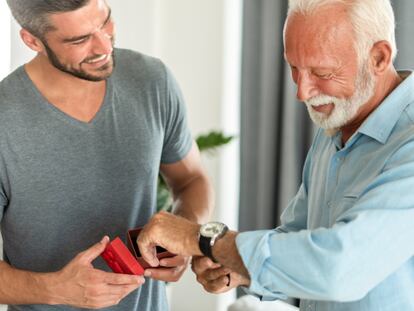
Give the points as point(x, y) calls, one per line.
point(381, 122)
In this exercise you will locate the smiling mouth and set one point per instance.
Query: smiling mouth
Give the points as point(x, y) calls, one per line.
point(99, 59)
point(326, 108)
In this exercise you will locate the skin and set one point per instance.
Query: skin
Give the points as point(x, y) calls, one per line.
point(321, 54)
point(80, 37)
point(326, 62)
point(193, 201)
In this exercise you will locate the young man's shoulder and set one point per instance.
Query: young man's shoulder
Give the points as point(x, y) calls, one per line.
point(11, 82)
point(12, 90)
point(135, 65)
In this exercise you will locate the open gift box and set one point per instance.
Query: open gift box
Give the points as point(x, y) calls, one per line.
point(128, 260)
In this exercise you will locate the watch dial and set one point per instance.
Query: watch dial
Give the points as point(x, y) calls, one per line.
point(212, 229)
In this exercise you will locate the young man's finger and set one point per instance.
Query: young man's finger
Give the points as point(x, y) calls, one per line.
point(122, 279)
point(173, 261)
point(94, 251)
point(164, 274)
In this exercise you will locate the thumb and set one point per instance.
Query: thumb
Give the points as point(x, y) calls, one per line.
point(148, 252)
point(94, 251)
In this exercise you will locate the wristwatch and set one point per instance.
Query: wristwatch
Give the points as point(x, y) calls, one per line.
point(209, 234)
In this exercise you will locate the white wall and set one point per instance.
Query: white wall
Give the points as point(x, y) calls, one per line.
point(5, 35)
point(20, 53)
point(200, 41)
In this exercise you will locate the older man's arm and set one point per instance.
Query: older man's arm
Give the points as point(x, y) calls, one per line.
point(193, 200)
point(180, 236)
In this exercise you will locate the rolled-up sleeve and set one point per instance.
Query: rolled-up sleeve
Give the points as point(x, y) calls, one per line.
point(372, 238)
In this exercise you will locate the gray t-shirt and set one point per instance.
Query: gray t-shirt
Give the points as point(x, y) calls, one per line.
point(64, 183)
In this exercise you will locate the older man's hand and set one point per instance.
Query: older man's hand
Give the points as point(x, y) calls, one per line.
point(176, 234)
point(170, 269)
point(216, 278)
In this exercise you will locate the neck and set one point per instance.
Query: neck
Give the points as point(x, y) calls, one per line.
point(56, 82)
point(78, 98)
point(385, 85)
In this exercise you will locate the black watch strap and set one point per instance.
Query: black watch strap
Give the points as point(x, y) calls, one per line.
point(205, 247)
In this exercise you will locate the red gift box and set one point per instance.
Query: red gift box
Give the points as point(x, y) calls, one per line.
point(128, 260)
point(120, 259)
point(132, 245)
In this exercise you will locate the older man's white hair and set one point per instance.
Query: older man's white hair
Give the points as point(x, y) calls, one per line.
point(372, 21)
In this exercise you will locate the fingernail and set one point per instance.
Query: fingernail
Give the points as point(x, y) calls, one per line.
point(141, 280)
point(147, 273)
point(104, 239)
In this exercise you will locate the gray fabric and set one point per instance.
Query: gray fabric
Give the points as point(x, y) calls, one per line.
point(275, 129)
point(404, 16)
point(66, 183)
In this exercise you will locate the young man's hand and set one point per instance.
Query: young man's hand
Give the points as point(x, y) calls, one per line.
point(80, 285)
point(170, 269)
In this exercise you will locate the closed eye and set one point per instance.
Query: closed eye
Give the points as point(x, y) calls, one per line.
point(80, 41)
point(325, 76)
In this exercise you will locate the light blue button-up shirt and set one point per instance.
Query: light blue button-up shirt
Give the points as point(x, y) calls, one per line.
point(347, 238)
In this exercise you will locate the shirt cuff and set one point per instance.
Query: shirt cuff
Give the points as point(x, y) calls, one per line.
point(254, 251)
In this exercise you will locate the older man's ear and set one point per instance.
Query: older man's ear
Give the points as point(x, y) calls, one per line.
point(381, 57)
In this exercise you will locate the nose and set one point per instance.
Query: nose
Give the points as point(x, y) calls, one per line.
point(306, 87)
point(102, 43)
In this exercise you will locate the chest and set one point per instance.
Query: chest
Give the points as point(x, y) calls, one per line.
point(50, 156)
point(82, 107)
point(338, 178)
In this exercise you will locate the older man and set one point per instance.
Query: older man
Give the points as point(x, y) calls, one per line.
point(346, 239)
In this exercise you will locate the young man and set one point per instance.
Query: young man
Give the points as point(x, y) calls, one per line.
point(346, 239)
point(84, 130)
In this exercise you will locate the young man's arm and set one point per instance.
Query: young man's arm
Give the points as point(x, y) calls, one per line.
point(78, 284)
point(193, 193)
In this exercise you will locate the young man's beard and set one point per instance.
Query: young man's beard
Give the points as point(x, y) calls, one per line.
point(106, 69)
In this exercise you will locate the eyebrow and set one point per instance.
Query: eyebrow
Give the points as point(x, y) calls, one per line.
point(77, 38)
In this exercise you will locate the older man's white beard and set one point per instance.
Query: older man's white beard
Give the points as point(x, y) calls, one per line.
point(345, 110)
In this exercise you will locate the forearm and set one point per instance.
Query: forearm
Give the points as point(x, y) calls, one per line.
point(195, 201)
point(23, 287)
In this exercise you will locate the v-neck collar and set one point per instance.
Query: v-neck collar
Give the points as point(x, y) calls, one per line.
point(60, 113)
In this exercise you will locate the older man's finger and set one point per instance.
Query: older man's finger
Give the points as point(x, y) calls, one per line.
point(214, 274)
point(148, 252)
point(201, 264)
point(217, 286)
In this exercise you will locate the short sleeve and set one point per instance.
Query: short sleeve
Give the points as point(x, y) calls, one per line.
point(177, 136)
point(3, 197)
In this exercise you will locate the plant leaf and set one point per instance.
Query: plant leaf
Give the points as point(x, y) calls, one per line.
point(212, 140)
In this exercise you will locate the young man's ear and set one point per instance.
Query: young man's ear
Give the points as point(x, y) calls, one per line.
point(381, 56)
point(31, 41)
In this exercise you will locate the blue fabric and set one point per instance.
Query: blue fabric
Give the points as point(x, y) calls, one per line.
point(347, 238)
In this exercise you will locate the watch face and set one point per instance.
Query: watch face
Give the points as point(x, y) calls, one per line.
point(212, 229)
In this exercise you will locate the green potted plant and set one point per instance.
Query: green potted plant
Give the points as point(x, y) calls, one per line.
point(206, 143)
